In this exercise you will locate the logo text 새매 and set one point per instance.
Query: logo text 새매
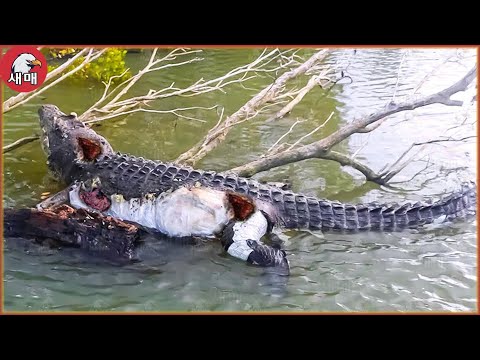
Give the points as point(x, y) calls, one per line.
point(23, 68)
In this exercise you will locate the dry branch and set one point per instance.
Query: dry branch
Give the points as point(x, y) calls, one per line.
point(118, 106)
point(218, 133)
point(115, 107)
point(274, 147)
point(113, 102)
point(321, 148)
point(19, 142)
point(386, 175)
point(345, 160)
point(310, 133)
point(300, 94)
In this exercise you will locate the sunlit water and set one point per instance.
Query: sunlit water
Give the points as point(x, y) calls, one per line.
point(432, 269)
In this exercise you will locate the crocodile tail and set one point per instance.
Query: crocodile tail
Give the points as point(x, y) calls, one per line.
point(307, 212)
point(457, 205)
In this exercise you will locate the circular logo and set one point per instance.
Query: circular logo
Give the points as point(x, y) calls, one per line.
point(23, 68)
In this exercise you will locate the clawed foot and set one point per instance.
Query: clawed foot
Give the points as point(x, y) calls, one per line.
point(238, 240)
point(267, 256)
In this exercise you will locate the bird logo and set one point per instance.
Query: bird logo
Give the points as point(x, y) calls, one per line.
point(23, 68)
point(24, 63)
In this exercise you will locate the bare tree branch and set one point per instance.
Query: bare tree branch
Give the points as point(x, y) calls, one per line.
point(445, 140)
point(19, 142)
point(311, 132)
point(387, 175)
point(427, 76)
point(345, 160)
point(394, 169)
point(398, 74)
point(383, 176)
point(319, 148)
point(218, 133)
point(272, 148)
point(174, 112)
point(427, 166)
point(315, 80)
point(117, 105)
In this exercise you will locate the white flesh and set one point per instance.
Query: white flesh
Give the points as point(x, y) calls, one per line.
point(184, 212)
point(251, 229)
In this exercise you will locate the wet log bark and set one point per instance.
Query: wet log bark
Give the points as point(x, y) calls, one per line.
point(97, 234)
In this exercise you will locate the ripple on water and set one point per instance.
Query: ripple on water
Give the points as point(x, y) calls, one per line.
point(425, 270)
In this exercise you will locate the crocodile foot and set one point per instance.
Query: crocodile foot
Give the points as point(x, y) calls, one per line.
point(267, 256)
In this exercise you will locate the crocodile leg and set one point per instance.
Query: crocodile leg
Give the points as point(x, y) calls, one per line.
point(242, 239)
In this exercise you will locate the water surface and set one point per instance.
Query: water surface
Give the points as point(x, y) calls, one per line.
point(432, 269)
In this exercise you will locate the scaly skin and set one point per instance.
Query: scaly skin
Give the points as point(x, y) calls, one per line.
point(135, 177)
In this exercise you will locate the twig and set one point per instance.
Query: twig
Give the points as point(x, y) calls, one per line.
point(425, 78)
point(386, 176)
point(360, 148)
point(174, 111)
point(428, 166)
point(120, 107)
point(398, 74)
point(281, 137)
point(311, 132)
point(217, 134)
point(344, 160)
point(445, 140)
point(312, 82)
point(117, 107)
point(319, 148)
point(19, 143)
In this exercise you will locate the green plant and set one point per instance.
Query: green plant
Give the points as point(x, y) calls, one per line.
point(60, 53)
point(110, 63)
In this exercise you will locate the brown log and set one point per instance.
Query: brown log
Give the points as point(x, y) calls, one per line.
point(97, 234)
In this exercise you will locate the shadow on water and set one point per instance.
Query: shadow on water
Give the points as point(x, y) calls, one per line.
point(152, 256)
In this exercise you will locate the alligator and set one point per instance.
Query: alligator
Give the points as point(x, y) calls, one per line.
point(148, 191)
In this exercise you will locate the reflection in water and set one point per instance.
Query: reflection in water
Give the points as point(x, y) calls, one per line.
point(424, 270)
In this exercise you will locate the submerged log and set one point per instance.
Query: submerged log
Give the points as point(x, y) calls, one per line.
point(102, 235)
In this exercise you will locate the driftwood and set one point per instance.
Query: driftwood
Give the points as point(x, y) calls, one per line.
point(99, 235)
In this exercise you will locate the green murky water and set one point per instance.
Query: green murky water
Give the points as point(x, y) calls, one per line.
point(430, 269)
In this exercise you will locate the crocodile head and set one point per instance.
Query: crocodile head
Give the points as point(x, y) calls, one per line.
point(68, 142)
